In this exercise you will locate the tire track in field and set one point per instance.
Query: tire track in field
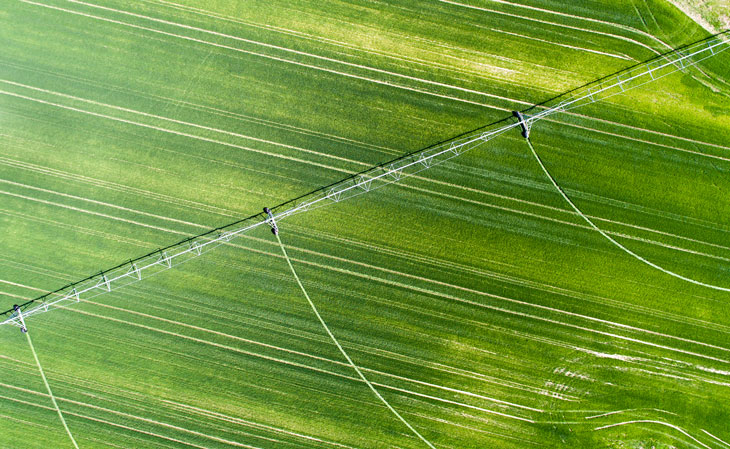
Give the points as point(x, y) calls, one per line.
point(292, 51)
point(78, 230)
point(648, 131)
point(453, 197)
point(555, 24)
point(192, 136)
point(175, 201)
point(13, 295)
point(125, 427)
point(115, 187)
point(90, 212)
point(27, 423)
point(484, 294)
point(411, 256)
point(228, 186)
point(649, 421)
point(293, 364)
point(356, 76)
point(100, 203)
point(15, 284)
point(169, 230)
point(442, 183)
point(648, 142)
point(429, 64)
point(179, 122)
point(35, 269)
point(587, 19)
point(194, 312)
point(278, 59)
point(143, 402)
point(571, 47)
point(325, 359)
point(291, 158)
point(383, 82)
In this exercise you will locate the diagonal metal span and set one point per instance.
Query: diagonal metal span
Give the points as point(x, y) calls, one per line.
point(364, 182)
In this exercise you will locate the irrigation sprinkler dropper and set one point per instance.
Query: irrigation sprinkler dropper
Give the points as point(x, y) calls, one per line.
point(271, 221)
point(23, 329)
point(524, 124)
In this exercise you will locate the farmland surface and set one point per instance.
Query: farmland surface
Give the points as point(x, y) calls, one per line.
point(484, 309)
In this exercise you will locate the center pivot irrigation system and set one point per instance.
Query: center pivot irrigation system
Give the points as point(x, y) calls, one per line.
point(366, 181)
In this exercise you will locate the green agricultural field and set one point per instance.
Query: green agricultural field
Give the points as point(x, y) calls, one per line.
point(477, 302)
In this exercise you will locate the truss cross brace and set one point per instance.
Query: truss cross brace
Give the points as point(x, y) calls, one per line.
point(136, 271)
point(425, 160)
point(167, 260)
point(363, 182)
point(105, 282)
point(333, 194)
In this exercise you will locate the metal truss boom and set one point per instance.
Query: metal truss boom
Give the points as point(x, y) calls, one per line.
point(374, 178)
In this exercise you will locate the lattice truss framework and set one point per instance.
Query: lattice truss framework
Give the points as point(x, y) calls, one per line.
point(374, 178)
